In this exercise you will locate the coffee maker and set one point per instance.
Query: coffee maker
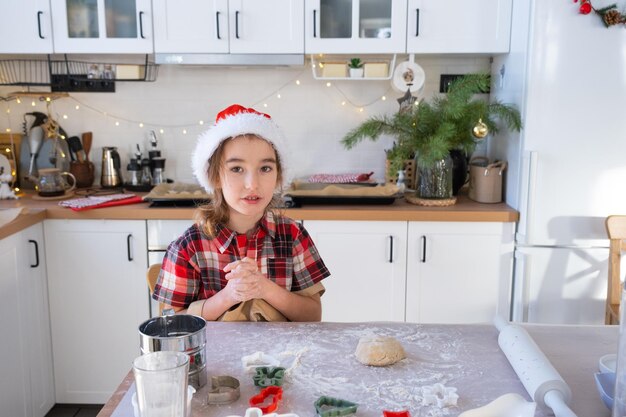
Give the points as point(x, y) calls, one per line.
point(111, 175)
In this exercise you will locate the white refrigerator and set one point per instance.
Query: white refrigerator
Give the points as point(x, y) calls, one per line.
point(567, 168)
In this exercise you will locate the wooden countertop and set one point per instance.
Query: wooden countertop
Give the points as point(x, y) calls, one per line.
point(465, 210)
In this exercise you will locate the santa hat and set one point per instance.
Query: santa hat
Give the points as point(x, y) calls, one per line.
point(233, 121)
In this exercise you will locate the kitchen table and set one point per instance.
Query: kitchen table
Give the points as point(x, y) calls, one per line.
point(320, 360)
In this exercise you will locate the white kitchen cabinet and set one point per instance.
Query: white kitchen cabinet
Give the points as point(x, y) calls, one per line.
point(367, 262)
point(458, 26)
point(102, 26)
point(26, 27)
point(355, 26)
point(98, 299)
point(440, 272)
point(27, 385)
point(458, 272)
point(229, 26)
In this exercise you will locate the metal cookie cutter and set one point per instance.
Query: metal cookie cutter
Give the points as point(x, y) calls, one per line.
point(439, 395)
point(266, 376)
point(258, 359)
point(275, 394)
point(331, 407)
point(224, 390)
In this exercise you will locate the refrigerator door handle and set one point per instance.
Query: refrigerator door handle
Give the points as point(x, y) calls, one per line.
point(527, 194)
point(519, 297)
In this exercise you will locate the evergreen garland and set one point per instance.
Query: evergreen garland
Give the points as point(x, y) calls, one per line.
point(430, 130)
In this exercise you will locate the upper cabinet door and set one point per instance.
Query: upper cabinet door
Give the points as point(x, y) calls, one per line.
point(27, 24)
point(459, 26)
point(102, 26)
point(355, 26)
point(266, 27)
point(190, 26)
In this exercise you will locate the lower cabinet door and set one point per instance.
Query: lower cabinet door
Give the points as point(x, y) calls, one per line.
point(367, 262)
point(458, 272)
point(98, 298)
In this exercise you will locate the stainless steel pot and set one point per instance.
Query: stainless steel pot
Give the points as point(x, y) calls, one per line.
point(180, 333)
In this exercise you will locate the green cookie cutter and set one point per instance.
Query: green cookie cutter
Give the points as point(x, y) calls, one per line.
point(332, 407)
point(266, 376)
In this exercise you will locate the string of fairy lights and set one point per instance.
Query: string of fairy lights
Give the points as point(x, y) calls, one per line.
point(344, 100)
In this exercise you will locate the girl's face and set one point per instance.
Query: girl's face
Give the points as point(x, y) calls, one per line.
point(248, 177)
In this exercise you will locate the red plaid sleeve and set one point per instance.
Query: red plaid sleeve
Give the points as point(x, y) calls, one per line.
point(308, 266)
point(179, 281)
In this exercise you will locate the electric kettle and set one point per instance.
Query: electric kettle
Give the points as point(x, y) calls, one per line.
point(111, 174)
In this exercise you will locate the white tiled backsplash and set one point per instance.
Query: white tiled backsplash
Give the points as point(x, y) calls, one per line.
point(311, 114)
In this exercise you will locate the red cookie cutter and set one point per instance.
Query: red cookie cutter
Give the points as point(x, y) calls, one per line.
point(403, 413)
point(272, 392)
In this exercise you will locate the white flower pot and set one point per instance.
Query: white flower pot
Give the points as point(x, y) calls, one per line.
point(356, 72)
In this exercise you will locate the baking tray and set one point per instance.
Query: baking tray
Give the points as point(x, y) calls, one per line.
point(299, 201)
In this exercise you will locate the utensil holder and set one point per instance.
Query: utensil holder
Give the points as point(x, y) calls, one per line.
point(485, 185)
point(84, 173)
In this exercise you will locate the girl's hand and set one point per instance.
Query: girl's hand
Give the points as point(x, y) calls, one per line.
point(245, 282)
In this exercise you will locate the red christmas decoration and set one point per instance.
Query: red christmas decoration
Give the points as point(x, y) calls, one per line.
point(610, 15)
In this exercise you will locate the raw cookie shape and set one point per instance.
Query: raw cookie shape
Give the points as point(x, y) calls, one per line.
point(258, 359)
point(507, 405)
point(257, 412)
point(439, 395)
point(379, 350)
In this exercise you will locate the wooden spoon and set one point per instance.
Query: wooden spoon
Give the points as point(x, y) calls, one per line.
point(87, 138)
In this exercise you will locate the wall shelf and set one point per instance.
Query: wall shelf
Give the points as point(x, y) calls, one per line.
point(338, 61)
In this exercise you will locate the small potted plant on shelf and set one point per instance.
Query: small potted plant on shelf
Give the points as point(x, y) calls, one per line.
point(356, 68)
point(432, 131)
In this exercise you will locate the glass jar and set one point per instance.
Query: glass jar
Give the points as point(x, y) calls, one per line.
point(435, 181)
point(619, 395)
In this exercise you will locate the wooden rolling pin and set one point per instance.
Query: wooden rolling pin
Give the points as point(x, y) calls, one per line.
point(87, 138)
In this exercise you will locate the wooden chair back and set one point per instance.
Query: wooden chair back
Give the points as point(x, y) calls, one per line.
point(616, 230)
point(151, 278)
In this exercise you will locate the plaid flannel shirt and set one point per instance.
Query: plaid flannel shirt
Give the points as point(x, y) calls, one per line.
point(193, 267)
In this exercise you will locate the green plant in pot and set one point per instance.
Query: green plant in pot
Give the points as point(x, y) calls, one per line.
point(356, 67)
point(430, 131)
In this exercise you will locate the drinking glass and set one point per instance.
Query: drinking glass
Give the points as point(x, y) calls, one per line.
point(619, 396)
point(161, 380)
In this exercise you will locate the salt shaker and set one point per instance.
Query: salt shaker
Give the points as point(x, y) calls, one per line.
point(619, 397)
point(400, 183)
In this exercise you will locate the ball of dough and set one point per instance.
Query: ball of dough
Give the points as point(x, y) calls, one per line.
point(379, 350)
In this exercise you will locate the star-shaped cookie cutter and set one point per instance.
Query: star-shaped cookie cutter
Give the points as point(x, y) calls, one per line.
point(439, 395)
point(273, 393)
point(257, 412)
point(266, 376)
point(332, 407)
point(224, 390)
point(258, 359)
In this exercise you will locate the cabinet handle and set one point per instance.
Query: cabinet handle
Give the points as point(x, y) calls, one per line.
point(141, 25)
point(423, 260)
point(237, 24)
point(390, 249)
point(417, 22)
point(315, 23)
point(34, 242)
point(217, 21)
point(130, 257)
point(39, 13)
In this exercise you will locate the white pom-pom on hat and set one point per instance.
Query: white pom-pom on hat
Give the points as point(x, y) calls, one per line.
point(233, 121)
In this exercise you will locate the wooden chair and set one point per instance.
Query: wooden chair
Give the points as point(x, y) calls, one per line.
point(616, 230)
point(151, 278)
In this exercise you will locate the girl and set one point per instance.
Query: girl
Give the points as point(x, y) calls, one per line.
point(240, 261)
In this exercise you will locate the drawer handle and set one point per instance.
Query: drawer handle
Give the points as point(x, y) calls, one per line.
point(39, 13)
point(390, 249)
point(315, 23)
point(34, 242)
point(423, 259)
point(128, 238)
point(217, 22)
point(417, 22)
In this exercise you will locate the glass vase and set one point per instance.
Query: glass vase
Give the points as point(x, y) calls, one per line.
point(435, 181)
point(619, 395)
